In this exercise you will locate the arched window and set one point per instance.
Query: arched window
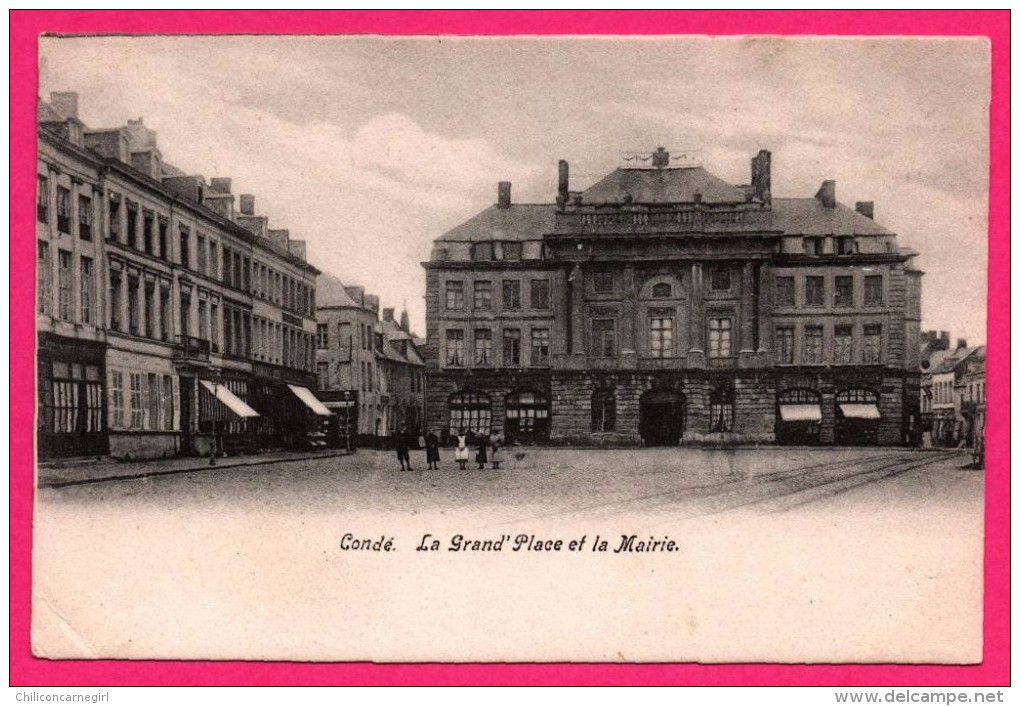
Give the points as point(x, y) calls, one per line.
point(662, 290)
point(527, 413)
point(603, 409)
point(721, 408)
point(470, 411)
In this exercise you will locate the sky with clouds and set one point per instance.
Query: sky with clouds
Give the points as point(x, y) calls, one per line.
point(370, 147)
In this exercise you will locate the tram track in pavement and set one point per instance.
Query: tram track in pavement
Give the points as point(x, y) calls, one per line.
point(762, 484)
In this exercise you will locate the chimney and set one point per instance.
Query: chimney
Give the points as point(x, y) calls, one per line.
point(563, 193)
point(387, 315)
point(943, 340)
point(220, 184)
point(827, 193)
point(866, 209)
point(961, 343)
point(761, 176)
point(65, 103)
point(504, 195)
point(247, 204)
point(405, 322)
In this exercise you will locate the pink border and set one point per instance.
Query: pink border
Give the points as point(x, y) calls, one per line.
point(25, 26)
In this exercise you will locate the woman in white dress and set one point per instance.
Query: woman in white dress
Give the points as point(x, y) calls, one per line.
point(461, 454)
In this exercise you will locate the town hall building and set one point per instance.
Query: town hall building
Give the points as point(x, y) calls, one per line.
point(665, 306)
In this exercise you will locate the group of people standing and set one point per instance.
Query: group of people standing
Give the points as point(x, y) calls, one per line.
point(486, 449)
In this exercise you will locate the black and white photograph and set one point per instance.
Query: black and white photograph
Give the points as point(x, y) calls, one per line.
point(511, 349)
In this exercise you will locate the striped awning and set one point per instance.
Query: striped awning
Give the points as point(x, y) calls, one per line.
point(800, 412)
point(306, 396)
point(232, 402)
point(860, 411)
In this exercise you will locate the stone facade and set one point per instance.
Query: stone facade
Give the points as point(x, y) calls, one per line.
point(672, 308)
point(175, 296)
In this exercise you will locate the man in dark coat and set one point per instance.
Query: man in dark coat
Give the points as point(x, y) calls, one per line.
point(432, 450)
point(403, 447)
point(482, 457)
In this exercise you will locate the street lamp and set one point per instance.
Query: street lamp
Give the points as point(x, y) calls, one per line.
point(213, 444)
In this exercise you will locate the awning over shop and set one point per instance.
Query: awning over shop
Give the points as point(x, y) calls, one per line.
point(342, 404)
point(860, 411)
point(800, 412)
point(234, 403)
point(306, 396)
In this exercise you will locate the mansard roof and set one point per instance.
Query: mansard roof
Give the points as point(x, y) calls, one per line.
point(525, 221)
point(811, 217)
point(662, 186)
point(330, 291)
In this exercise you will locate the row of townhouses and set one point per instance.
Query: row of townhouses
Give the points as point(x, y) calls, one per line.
point(952, 390)
point(662, 305)
point(170, 315)
point(370, 371)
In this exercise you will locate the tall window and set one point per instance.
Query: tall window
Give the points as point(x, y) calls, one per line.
point(721, 409)
point(214, 260)
point(483, 347)
point(602, 281)
point(85, 216)
point(164, 313)
point(203, 322)
point(322, 336)
point(42, 199)
point(843, 294)
point(721, 279)
point(539, 346)
point(483, 295)
point(152, 392)
point(814, 291)
point(185, 238)
point(322, 369)
point(148, 234)
point(872, 351)
point(164, 245)
point(720, 337)
point(168, 403)
point(132, 295)
point(114, 301)
point(785, 293)
point(116, 399)
point(63, 210)
point(511, 347)
point(784, 344)
point(454, 295)
point(44, 278)
point(114, 217)
point(539, 294)
point(873, 290)
point(132, 225)
point(603, 409)
point(843, 345)
point(150, 310)
point(511, 294)
point(137, 400)
point(65, 286)
point(603, 337)
point(201, 252)
point(88, 289)
point(661, 343)
point(812, 345)
point(454, 348)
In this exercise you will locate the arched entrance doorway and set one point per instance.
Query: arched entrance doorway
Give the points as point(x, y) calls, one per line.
point(663, 417)
point(857, 417)
point(527, 416)
point(798, 417)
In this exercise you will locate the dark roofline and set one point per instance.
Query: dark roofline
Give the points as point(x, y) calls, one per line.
point(107, 163)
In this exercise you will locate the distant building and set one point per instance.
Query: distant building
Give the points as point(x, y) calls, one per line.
point(370, 372)
point(663, 305)
point(166, 318)
point(952, 390)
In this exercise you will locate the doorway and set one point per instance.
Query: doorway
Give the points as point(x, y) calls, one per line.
point(663, 417)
